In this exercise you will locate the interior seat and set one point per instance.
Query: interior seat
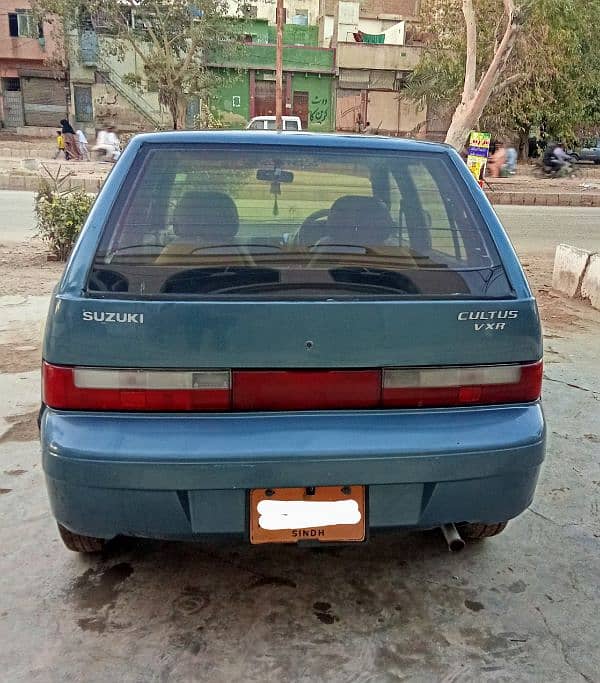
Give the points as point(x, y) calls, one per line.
point(356, 220)
point(202, 219)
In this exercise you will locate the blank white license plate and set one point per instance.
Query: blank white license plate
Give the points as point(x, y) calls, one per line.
point(322, 513)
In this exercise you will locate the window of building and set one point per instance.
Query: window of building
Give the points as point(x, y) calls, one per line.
point(22, 24)
point(249, 11)
point(11, 84)
point(13, 25)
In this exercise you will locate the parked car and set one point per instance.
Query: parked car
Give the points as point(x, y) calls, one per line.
point(290, 338)
point(269, 123)
point(589, 152)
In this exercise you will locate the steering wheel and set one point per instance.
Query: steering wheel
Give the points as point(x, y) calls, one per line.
point(312, 229)
point(107, 281)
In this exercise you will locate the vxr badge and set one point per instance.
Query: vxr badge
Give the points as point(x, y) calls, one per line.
point(488, 321)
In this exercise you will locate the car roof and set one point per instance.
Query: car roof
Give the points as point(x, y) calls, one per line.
point(272, 118)
point(297, 138)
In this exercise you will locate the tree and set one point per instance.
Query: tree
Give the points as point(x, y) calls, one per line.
point(512, 65)
point(553, 76)
point(174, 39)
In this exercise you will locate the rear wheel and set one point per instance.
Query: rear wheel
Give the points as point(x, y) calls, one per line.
point(79, 543)
point(474, 532)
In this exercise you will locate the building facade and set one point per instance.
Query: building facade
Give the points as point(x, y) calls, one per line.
point(32, 92)
point(102, 93)
point(345, 62)
point(308, 75)
point(375, 55)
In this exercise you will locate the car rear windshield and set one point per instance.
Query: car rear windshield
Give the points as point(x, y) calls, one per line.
point(245, 221)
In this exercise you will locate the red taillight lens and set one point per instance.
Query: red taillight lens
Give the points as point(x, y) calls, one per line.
point(306, 389)
point(82, 388)
point(144, 390)
point(476, 385)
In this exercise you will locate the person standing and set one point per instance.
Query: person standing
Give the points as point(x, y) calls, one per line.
point(108, 143)
point(60, 145)
point(113, 140)
point(83, 145)
point(71, 147)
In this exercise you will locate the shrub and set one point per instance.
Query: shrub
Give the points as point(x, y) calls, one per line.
point(60, 213)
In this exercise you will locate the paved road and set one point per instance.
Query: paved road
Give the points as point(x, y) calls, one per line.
point(531, 228)
point(16, 216)
point(541, 228)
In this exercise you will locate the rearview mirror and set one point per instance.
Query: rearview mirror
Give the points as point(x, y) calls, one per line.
point(274, 175)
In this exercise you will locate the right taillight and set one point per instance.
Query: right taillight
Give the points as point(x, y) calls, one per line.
point(457, 386)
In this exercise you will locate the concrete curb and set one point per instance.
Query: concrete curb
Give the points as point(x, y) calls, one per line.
point(497, 197)
point(577, 273)
point(590, 283)
point(500, 197)
point(30, 183)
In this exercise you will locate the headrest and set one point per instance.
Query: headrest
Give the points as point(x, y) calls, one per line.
point(208, 216)
point(359, 220)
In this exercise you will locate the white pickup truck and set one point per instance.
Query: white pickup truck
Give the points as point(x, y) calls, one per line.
point(268, 123)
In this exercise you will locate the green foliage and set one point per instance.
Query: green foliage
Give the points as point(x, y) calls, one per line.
point(60, 212)
point(208, 118)
point(551, 80)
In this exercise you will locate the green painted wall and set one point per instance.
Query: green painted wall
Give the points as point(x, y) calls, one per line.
point(236, 91)
point(294, 58)
point(320, 104)
point(293, 34)
point(296, 35)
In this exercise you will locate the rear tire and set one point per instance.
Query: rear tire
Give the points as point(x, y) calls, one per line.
point(475, 532)
point(79, 543)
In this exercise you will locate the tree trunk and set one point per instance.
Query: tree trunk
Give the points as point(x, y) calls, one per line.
point(181, 113)
point(462, 124)
point(523, 144)
point(469, 111)
point(177, 108)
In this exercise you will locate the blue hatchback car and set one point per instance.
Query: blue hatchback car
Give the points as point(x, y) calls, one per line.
point(290, 338)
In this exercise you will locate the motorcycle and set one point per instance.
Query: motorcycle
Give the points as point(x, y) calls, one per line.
point(568, 170)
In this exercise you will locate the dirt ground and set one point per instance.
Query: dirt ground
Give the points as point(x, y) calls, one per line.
point(521, 607)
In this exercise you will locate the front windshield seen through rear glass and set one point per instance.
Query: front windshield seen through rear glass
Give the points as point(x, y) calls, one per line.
point(265, 221)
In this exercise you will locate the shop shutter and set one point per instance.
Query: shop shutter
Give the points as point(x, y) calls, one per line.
point(44, 101)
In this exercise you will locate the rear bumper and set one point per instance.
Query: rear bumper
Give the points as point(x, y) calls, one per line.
point(175, 476)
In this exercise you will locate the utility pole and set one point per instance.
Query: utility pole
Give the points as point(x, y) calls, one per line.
point(279, 67)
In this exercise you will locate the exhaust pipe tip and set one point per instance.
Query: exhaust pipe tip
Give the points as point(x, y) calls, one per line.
point(453, 538)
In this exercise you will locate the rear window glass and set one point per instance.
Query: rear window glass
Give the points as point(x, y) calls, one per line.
point(279, 222)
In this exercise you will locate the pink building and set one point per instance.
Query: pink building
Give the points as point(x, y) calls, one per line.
point(32, 93)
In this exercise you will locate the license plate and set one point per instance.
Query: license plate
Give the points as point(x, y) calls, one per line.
point(321, 513)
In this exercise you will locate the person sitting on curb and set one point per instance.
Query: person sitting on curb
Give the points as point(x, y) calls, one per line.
point(511, 160)
point(497, 161)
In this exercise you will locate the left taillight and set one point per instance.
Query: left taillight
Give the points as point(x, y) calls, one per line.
point(81, 388)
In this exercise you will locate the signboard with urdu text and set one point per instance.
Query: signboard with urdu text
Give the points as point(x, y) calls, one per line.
point(479, 149)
